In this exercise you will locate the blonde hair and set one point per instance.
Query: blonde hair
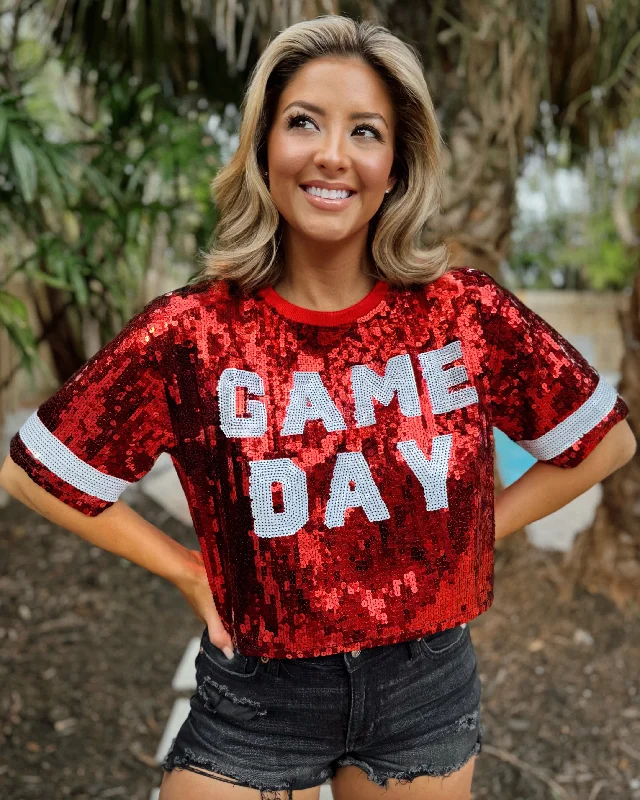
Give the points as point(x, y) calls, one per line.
point(246, 240)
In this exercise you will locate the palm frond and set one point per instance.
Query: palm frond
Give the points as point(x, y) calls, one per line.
point(181, 40)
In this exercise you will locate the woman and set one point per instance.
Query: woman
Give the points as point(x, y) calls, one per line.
point(327, 392)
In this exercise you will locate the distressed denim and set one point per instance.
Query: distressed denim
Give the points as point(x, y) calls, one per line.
point(394, 711)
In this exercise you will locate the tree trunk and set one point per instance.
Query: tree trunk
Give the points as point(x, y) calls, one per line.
point(482, 70)
point(57, 328)
point(606, 557)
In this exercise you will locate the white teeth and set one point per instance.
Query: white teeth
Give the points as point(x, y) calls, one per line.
point(333, 194)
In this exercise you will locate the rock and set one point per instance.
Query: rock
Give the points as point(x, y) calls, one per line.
point(63, 725)
point(580, 636)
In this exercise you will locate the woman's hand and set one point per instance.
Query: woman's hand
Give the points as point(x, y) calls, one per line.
point(197, 592)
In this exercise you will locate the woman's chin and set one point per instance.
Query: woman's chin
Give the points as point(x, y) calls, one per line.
point(326, 234)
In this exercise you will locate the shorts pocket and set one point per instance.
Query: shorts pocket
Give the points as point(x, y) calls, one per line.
point(446, 642)
point(240, 666)
point(219, 699)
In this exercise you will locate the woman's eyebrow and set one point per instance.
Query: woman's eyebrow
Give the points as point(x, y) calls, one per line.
point(317, 110)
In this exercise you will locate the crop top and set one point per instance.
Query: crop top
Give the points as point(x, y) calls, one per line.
point(338, 465)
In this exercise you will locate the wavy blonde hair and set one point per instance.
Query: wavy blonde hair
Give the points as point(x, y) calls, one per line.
point(247, 237)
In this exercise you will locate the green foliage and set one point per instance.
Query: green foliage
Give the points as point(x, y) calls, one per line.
point(573, 251)
point(83, 216)
point(13, 318)
point(600, 255)
point(28, 163)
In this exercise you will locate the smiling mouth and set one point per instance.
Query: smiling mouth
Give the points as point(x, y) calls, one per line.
point(327, 194)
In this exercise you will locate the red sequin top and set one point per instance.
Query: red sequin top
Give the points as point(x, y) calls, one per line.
point(338, 465)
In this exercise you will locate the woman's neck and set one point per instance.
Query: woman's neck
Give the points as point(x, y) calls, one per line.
point(325, 278)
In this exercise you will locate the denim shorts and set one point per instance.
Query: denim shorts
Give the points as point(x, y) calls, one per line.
point(395, 711)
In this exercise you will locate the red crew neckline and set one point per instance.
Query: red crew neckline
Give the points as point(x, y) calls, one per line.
point(314, 317)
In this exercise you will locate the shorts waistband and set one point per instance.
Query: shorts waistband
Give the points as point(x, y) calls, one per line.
point(337, 660)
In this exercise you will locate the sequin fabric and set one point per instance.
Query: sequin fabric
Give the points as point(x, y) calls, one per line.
point(338, 466)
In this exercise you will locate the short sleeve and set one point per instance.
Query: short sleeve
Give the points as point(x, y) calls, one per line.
point(105, 426)
point(544, 394)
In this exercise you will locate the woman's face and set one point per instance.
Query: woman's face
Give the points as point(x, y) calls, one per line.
point(333, 129)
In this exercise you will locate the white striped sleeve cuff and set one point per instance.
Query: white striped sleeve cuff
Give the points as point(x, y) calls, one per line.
point(57, 458)
point(574, 427)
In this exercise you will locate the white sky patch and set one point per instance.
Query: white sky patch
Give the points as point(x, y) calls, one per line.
point(541, 193)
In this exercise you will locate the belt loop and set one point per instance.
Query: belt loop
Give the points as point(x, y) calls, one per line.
point(414, 648)
point(272, 665)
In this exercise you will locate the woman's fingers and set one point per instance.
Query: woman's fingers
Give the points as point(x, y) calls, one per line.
point(218, 635)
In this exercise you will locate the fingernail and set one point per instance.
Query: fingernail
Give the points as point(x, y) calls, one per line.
point(228, 651)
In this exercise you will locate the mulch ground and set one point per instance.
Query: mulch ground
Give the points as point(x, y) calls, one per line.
point(89, 644)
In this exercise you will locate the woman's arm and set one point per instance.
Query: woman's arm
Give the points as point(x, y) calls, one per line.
point(119, 529)
point(122, 531)
point(545, 487)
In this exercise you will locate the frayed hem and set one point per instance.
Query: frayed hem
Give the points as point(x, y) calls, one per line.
point(193, 762)
point(203, 766)
point(411, 774)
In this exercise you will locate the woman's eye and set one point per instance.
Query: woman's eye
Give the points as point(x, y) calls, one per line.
point(295, 120)
point(375, 133)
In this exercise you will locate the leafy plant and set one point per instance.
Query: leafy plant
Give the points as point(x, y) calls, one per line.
point(81, 217)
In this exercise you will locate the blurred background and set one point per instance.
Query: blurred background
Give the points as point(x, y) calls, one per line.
point(114, 117)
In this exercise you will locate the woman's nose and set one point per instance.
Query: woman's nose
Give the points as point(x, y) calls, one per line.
point(332, 152)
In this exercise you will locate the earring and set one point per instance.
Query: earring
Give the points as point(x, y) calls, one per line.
point(386, 191)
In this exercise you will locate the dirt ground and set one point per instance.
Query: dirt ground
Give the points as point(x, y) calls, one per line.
point(89, 644)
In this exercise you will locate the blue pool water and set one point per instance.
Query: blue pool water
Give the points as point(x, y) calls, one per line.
point(513, 461)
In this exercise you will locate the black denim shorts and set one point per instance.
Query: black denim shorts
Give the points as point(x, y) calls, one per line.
point(395, 711)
